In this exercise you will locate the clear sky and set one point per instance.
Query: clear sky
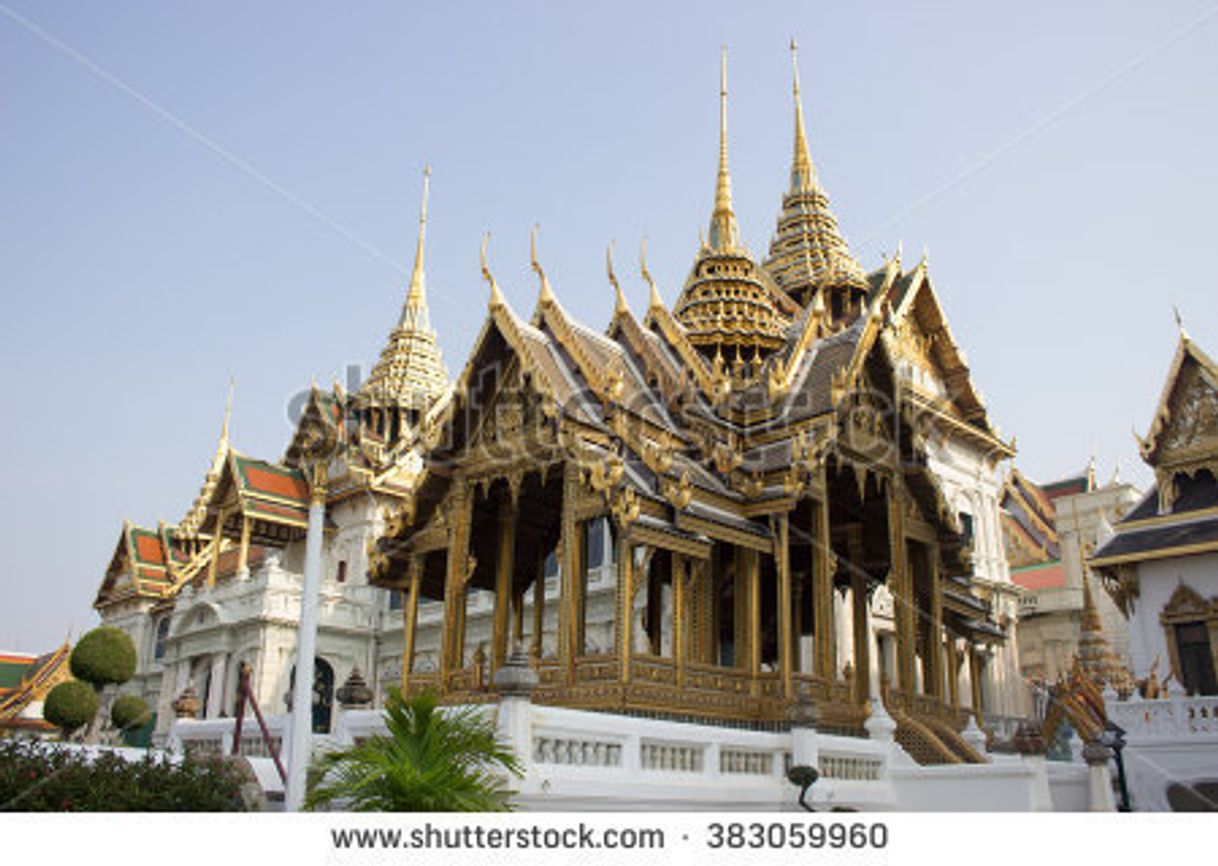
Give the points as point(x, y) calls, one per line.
point(194, 191)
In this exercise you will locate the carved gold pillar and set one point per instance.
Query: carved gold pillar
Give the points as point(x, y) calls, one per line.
point(410, 617)
point(243, 553)
point(624, 604)
point(974, 680)
point(453, 638)
point(214, 565)
point(539, 607)
point(503, 585)
point(569, 606)
point(901, 586)
point(749, 563)
point(783, 558)
point(934, 646)
point(862, 640)
point(679, 569)
point(825, 645)
point(953, 678)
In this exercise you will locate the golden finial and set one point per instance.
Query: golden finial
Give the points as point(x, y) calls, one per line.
point(414, 297)
point(496, 298)
point(654, 299)
point(1179, 322)
point(620, 305)
point(803, 174)
point(723, 231)
point(925, 263)
point(228, 410)
point(547, 295)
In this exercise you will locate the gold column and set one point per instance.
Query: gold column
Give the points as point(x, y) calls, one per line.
point(825, 648)
point(784, 606)
point(862, 640)
point(934, 646)
point(568, 610)
point(453, 639)
point(625, 605)
point(901, 586)
point(503, 585)
point(214, 565)
point(750, 652)
point(539, 607)
point(410, 617)
point(953, 680)
point(243, 553)
point(974, 681)
point(679, 568)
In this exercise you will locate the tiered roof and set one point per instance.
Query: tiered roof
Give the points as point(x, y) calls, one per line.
point(808, 256)
point(410, 371)
point(1179, 515)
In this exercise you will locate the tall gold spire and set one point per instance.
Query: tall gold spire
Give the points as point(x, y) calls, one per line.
point(410, 371)
point(808, 254)
point(803, 173)
point(416, 297)
point(724, 234)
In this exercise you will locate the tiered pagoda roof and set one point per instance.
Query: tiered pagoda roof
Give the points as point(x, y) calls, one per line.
point(410, 371)
point(808, 255)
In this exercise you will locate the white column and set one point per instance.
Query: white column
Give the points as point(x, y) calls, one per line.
point(215, 687)
point(306, 647)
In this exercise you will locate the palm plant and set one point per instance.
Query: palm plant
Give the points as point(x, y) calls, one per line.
point(432, 760)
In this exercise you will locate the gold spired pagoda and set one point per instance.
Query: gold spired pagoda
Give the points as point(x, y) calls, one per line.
point(764, 457)
point(409, 375)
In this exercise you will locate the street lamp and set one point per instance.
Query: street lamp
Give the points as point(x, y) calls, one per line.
point(1113, 736)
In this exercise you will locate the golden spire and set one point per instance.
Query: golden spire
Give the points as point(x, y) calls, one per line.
point(724, 234)
point(547, 294)
point(415, 296)
point(654, 300)
point(620, 305)
point(228, 413)
point(803, 173)
point(496, 298)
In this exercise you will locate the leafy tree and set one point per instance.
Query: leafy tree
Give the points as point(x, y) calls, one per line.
point(129, 711)
point(104, 656)
point(432, 760)
point(70, 705)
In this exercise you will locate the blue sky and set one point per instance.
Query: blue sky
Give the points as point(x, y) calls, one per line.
point(205, 190)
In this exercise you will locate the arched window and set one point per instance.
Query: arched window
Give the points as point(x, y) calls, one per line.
point(158, 641)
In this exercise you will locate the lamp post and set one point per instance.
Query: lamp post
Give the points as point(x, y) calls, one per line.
point(318, 439)
point(1114, 738)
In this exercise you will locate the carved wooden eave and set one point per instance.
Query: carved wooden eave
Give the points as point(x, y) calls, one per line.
point(919, 330)
point(713, 384)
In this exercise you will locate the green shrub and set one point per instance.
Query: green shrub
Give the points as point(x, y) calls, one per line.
point(41, 777)
point(103, 656)
point(70, 705)
point(129, 711)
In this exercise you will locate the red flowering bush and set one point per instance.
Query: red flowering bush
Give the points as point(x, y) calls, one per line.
point(42, 777)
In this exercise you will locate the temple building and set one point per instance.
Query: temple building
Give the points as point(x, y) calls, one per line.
point(1049, 531)
point(222, 586)
point(25, 681)
point(1160, 566)
point(781, 495)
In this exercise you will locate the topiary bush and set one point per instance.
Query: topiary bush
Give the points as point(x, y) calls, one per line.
point(129, 711)
point(70, 705)
point(104, 656)
point(40, 777)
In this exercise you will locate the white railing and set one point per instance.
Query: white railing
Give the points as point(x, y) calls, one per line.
point(577, 751)
point(850, 768)
point(1177, 716)
point(197, 737)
